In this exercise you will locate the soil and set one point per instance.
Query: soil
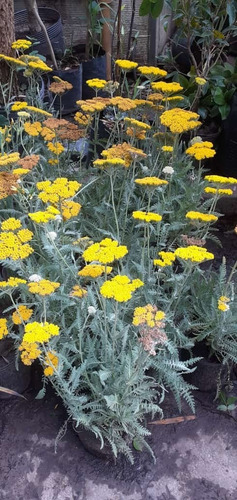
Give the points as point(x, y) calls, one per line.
point(195, 460)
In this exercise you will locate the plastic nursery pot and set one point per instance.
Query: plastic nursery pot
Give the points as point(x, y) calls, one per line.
point(227, 150)
point(92, 444)
point(68, 100)
point(53, 23)
point(10, 377)
point(93, 68)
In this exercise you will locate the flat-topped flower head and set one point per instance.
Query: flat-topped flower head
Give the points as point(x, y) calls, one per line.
point(120, 288)
point(11, 224)
point(151, 182)
point(137, 123)
point(50, 363)
point(219, 179)
point(167, 88)
point(219, 192)
point(42, 217)
point(13, 241)
point(9, 159)
point(78, 291)
point(148, 315)
point(152, 72)
point(198, 216)
point(22, 314)
point(12, 282)
point(40, 332)
point(193, 253)
point(147, 216)
point(105, 252)
point(29, 352)
point(57, 190)
point(96, 83)
point(166, 259)
point(223, 303)
point(21, 44)
point(109, 163)
point(201, 150)
point(179, 120)
point(94, 271)
point(125, 151)
point(3, 328)
point(70, 209)
point(43, 287)
point(200, 81)
point(126, 65)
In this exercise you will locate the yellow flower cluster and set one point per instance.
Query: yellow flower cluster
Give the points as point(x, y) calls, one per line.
point(152, 71)
point(222, 303)
point(21, 314)
point(201, 217)
point(60, 189)
point(43, 287)
point(124, 151)
point(151, 181)
point(38, 110)
point(12, 60)
point(3, 328)
point(96, 83)
point(55, 147)
point(201, 150)
point(51, 363)
point(167, 149)
point(21, 44)
point(167, 259)
point(12, 282)
point(47, 134)
point(105, 252)
point(9, 159)
point(78, 291)
point(12, 244)
point(20, 171)
point(82, 118)
point(147, 315)
point(123, 103)
point(109, 163)
point(29, 352)
point(194, 253)
point(33, 129)
point(70, 209)
point(167, 88)
point(94, 271)
point(44, 217)
point(179, 120)
point(219, 179)
point(18, 105)
point(126, 65)
point(97, 104)
point(60, 86)
point(200, 81)
point(146, 216)
point(137, 124)
point(40, 332)
point(120, 288)
point(39, 65)
point(210, 190)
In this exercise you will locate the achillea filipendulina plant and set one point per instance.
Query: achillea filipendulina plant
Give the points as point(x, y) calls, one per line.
point(112, 281)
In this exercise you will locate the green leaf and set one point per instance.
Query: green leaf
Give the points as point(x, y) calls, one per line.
point(137, 445)
point(219, 97)
point(222, 407)
point(231, 407)
point(156, 8)
point(224, 111)
point(145, 8)
point(3, 121)
point(231, 400)
point(231, 11)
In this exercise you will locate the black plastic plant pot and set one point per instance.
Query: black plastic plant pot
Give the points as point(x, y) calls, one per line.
point(92, 68)
point(52, 20)
point(92, 444)
point(68, 100)
point(10, 377)
point(225, 160)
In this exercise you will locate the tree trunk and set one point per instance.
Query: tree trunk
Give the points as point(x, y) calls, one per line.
point(7, 36)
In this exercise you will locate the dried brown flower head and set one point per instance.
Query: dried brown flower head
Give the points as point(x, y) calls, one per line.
point(29, 161)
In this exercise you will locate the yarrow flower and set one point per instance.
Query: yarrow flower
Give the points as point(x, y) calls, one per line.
point(200, 81)
point(78, 291)
point(180, 120)
point(94, 271)
point(50, 363)
point(146, 216)
point(33, 129)
point(148, 315)
point(29, 352)
point(9, 159)
point(96, 83)
point(3, 328)
point(109, 163)
point(193, 253)
point(151, 181)
point(40, 332)
point(43, 217)
point(12, 241)
point(219, 179)
point(167, 88)
point(222, 303)
point(126, 65)
point(105, 252)
point(57, 190)
point(70, 209)
point(43, 287)
point(201, 150)
point(12, 282)
point(22, 313)
point(152, 71)
point(57, 148)
point(167, 149)
point(168, 170)
point(201, 217)
point(120, 288)
point(137, 124)
point(220, 192)
point(125, 151)
point(167, 259)
point(21, 44)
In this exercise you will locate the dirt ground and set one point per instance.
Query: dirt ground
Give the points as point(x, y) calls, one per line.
point(195, 460)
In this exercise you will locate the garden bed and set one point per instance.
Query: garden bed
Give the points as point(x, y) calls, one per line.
point(196, 460)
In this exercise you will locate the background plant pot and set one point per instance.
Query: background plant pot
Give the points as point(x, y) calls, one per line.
point(10, 377)
point(52, 20)
point(179, 49)
point(225, 161)
point(68, 100)
point(93, 68)
point(92, 444)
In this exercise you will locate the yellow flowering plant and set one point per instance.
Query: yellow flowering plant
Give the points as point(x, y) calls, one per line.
point(102, 256)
